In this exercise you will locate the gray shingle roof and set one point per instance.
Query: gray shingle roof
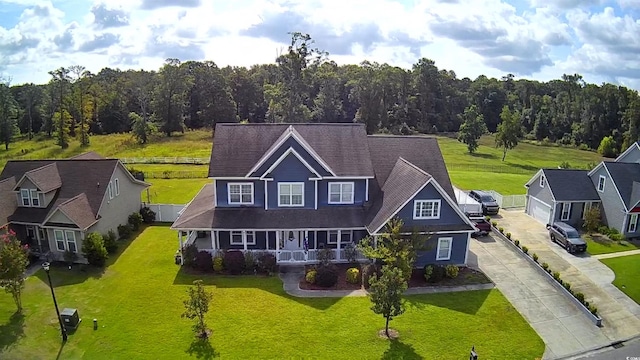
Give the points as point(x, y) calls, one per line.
point(624, 175)
point(8, 203)
point(570, 185)
point(46, 178)
point(201, 214)
point(420, 151)
point(238, 147)
point(403, 182)
point(78, 210)
point(77, 177)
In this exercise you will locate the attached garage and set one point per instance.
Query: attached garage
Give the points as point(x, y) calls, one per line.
point(539, 210)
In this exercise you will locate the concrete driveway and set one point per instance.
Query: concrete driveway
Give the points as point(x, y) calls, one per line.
point(620, 314)
point(557, 320)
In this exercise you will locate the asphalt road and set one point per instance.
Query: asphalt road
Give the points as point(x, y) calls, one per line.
point(630, 351)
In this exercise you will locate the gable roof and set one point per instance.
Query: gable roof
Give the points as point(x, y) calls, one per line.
point(237, 148)
point(623, 176)
point(421, 151)
point(7, 203)
point(45, 178)
point(88, 178)
point(570, 185)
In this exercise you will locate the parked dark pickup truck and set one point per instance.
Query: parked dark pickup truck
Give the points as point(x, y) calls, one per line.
point(484, 227)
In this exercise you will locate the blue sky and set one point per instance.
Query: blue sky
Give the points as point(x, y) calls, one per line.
point(534, 39)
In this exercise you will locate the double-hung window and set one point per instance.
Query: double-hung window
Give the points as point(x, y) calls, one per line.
point(332, 237)
point(291, 194)
point(71, 241)
point(601, 181)
point(236, 238)
point(35, 200)
point(59, 236)
point(24, 194)
point(444, 249)
point(566, 211)
point(341, 193)
point(633, 223)
point(116, 185)
point(541, 181)
point(110, 190)
point(251, 237)
point(426, 209)
point(65, 240)
point(240, 193)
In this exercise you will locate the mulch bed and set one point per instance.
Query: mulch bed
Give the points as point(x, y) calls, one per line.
point(466, 276)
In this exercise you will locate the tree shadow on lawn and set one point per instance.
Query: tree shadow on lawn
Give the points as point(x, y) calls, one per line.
point(61, 275)
point(260, 282)
point(11, 332)
point(468, 302)
point(483, 155)
point(202, 349)
point(399, 350)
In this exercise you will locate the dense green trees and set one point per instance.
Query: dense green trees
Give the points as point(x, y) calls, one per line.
point(305, 86)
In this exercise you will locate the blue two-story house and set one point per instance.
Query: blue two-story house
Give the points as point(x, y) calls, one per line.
point(292, 189)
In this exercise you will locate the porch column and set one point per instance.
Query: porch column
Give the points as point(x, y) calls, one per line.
point(180, 240)
point(213, 240)
point(266, 238)
point(338, 249)
point(244, 240)
point(315, 239)
point(375, 241)
point(217, 239)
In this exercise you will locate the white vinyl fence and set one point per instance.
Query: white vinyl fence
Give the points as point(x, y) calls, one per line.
point(166, 212)
point(508, 201)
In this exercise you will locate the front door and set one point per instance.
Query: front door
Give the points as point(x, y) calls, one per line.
point(293, 239)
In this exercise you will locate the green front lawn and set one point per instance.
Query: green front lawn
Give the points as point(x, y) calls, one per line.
point(602, 245)
point(627, 270)
point(173, 191)
point(138, 302)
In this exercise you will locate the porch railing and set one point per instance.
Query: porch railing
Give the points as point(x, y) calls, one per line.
point(296, 256)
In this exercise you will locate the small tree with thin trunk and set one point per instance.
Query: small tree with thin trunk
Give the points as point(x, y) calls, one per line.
point(13, 263)
point(197, 306)
point(386, 294)
point(592, 219)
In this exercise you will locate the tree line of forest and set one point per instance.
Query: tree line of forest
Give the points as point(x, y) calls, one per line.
point(304, 85)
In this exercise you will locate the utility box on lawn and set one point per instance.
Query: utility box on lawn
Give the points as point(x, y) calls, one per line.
point(70, 318)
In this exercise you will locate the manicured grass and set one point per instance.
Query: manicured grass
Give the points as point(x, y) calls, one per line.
point(505, 184)
point(173, 191)
point(138, 302)
point(627, 274)
point(597, 244)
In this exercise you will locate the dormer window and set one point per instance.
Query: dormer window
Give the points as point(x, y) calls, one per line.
point(24, 193)
point(30, 197)
point(35, 200)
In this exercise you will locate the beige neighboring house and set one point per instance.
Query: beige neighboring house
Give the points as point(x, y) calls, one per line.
point(53, 204)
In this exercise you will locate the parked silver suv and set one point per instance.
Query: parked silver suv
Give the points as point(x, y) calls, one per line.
point(567, 236)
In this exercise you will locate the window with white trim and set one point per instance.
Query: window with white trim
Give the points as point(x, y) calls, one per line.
point(426, 209)
point(341, 192)
point(346, 236)
point(633, 223)
point(59, 237)
point(444, 249)
point(110, 190)
point(116, 185)
point(290, 194)
point(541, 180)
point(236, 238)
point(71, 241)
point(566, 211)
point(24, 193)
point(251, 237)
point(332, 237)
point(240, 193)
point(35, 199)
point(601, 181)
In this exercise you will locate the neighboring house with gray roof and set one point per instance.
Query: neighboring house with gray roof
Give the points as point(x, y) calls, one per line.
point(565, 194)
point(292, 189)
point(53, 204)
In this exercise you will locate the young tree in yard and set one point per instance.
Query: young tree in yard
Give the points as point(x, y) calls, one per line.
point(94, 250)
point(592, 219)
point(386, 294)
point(197, 306)
point(13, 263)
point(509, 130)
point(394, 249)
point(472, 128)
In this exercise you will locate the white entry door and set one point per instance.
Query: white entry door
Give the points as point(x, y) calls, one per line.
point(539, 210)
point(293, 239)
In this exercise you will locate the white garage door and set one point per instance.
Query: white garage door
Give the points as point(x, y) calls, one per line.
point(539, 211)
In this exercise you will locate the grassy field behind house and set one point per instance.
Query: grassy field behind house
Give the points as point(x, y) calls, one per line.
point(138, 301)
point(173, 191)
point(627, 274)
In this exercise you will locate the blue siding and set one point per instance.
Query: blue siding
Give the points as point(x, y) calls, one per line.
point(291, 170)
point(291, 143)
point(360, 188)
point(224, 238)
point(448, 215)
point(458, 251)
point(223, 199)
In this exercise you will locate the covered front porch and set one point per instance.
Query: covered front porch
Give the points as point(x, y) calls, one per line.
point(299, 246)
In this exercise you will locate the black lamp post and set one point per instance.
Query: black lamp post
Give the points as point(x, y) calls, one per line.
point(45, 266)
